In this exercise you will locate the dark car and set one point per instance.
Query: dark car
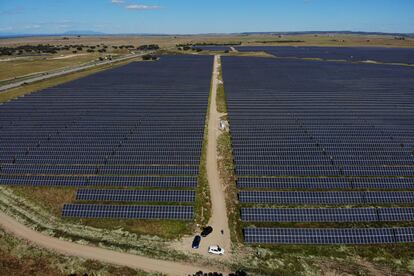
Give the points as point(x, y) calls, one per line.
point(206, 231)
point(196, 242)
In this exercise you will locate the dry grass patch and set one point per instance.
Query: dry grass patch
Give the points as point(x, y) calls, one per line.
point(49, 198)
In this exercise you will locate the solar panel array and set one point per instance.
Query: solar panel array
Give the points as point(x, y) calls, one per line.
point(379, 54)
point(321, 133)
point(139, 125)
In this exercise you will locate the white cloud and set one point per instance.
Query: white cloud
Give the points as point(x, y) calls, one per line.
point(32, 26)
point(117, 1)
point(142, 7)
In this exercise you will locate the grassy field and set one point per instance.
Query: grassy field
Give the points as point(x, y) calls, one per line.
point(18, 257)
point(17, 67)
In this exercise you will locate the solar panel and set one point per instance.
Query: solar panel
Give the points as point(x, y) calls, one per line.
point(320, 235)
point(301, 197)
point(343, 198)
point(326, 183)
point(327, 214)
point(396, 214)
point(309, 215)
point(128, 211)
point(136, 195)
point(404, 235)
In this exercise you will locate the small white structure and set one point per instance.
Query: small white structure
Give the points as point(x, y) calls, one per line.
point(223, 125)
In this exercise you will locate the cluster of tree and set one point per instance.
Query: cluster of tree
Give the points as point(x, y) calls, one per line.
point(399, 38)
point(149, 47)
point(149, 57)
point(186, 47)
point(51, 49)
point(126, 46)
point(41, 48)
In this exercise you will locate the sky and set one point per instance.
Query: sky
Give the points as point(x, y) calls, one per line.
point(205, 16)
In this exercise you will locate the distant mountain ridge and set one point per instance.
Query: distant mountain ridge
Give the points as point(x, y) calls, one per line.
point(83, 32)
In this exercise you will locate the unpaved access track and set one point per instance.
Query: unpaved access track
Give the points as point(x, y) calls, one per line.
point(219, 219)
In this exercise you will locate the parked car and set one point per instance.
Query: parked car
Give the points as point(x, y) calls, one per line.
point(196, 242)
point(217, 250)
point(206, 231)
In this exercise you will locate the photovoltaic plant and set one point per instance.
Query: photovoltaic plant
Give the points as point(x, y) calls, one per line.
point(317, 142)
point(139, 127)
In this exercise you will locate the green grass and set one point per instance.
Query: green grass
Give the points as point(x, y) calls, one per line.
point(221, 96)
point(203, 201)
point(227, 174)
point(166, 229)
point(221, 99)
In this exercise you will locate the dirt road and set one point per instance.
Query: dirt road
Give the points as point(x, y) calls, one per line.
point(218, 220)
point(89, 252)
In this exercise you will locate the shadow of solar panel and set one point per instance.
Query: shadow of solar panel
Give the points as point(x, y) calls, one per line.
point(136, 195)
point(128, 211)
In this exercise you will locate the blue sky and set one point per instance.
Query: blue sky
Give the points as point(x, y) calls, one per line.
point(204, 16)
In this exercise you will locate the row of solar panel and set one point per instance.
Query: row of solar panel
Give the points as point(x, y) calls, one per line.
point(325, 171)
point(136, 195)
point(321, 183)
point(89, 170)
point(327, 214)
point(128, 211)
point(84, 181)
point(328, 235)
point(322, 198)
point(321, 159)
point(90, 160)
